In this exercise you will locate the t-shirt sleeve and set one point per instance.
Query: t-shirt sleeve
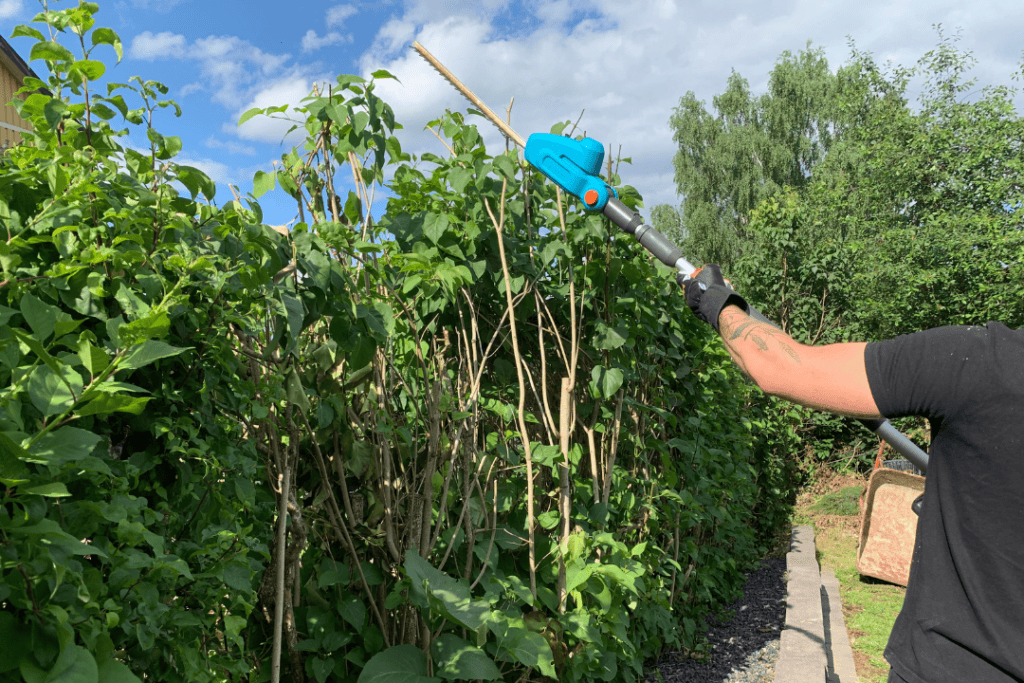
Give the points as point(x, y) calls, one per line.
point(926, 373)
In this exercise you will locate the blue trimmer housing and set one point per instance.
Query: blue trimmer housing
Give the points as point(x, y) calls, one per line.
point(574, 165)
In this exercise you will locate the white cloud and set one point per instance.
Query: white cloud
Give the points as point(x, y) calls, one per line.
point(231, 67)
point(311, 41)
point(190, 88)
point(334, 18)
point(627, 67)
point(231, 146)
point(10, 8)
point(337, 15)
point(289, 90)
point(150, 46)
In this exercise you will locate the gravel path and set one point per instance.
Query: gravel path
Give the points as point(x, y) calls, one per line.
point(745, 648)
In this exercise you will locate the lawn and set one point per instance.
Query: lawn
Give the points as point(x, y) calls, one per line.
point(869, 606)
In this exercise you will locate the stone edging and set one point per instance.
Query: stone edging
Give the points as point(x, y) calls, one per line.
point(814, 646)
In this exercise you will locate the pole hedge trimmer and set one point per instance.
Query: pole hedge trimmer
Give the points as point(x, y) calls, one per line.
point(575, 166)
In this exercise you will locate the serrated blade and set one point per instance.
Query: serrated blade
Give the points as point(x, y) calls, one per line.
point(468, 94)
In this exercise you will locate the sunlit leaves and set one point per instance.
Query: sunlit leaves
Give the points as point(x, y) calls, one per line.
point(263, 182)
point(106, 36)
point(51, 51)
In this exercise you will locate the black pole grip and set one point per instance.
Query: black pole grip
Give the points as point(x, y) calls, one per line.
point(652, 240)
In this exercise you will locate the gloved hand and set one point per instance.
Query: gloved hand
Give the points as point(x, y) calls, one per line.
point(708, 293)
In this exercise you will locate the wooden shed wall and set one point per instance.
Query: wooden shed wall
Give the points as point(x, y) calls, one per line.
point(9, 119)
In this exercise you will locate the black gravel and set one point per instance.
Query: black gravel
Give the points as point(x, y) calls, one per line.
point(745, 647)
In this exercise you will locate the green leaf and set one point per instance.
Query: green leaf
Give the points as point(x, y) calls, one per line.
point(608, 338)
point(459, 178)
point(551, 251)
point(52, 490)
point(197, 181)
point(53, 112)
point(523, 645)
point(447, 595)
point(397, 664)
point(505, 166)
point(52, 394)
point(263, 183)
point(89, 68)
point(66, 444)
point(172, 145)
point(16, 640)
point(37, 348)
point(545, 454)
point(74, 665)
point(51, 51)
point(548, 520)
point(434, 226)
point(93, 358)
point(606, 381)
point(380, 320)
point(353, 611)
point(114, 403)
point(238, 576)
point(10, 355)
point(294, 391)
point(233, 625)
point(576, 573)
point(40, 316)
point(296, 313)
point(322, 668)
point(11, 455)
point(107, 36)
point(31, 673)
point(28, 31)
point(333, 576)
point(148, 352)
point(456, 659)
point(249, 114)
point(245, 491)
point(114, 671)
point(153, 325)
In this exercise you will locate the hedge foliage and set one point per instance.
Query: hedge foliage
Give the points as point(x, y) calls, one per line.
point(480, 437)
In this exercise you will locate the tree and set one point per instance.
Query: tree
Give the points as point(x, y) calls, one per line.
point(910, 221)
point(666, 219)
point(930, 198)
point(749, 148)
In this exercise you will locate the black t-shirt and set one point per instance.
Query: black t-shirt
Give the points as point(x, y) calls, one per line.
point(963, 615)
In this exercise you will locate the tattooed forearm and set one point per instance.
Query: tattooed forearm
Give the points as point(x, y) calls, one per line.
point(832, 378)
point(759, 333)
point(746, 339)
point(739, 330)
point(790, 351)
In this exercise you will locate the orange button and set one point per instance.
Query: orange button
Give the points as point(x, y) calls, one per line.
point(590, 197)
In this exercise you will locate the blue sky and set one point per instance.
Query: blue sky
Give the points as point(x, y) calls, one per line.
point(624, 64)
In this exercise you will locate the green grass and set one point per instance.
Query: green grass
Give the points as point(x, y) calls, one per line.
point(843, 502)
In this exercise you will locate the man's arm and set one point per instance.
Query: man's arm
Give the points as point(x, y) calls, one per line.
point(832, 377)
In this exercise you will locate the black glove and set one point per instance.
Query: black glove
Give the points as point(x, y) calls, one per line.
point(708, 293)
